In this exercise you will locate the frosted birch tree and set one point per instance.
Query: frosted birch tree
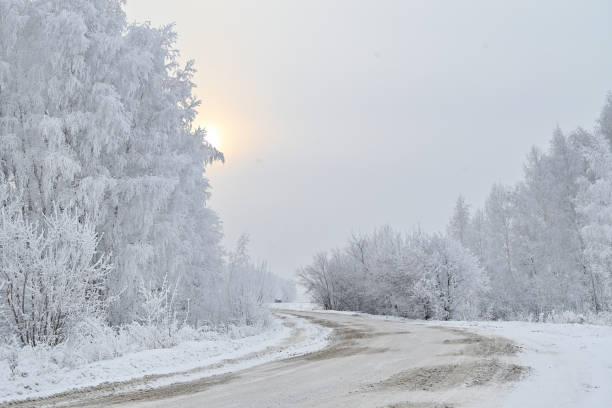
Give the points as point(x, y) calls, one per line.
point(96, 118)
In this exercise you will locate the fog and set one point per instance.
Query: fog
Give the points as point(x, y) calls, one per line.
point(336, 117)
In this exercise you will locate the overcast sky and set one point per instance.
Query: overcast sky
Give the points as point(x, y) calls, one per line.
point(339, 116)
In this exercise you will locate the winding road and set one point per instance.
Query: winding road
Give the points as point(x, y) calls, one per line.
point(371, 362)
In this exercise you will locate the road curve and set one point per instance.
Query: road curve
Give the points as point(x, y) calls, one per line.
point(372, 363)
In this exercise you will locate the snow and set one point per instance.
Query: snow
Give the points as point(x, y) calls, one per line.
point(315, 338)
point(571, 363)
point(44, 378)
point(299, 306)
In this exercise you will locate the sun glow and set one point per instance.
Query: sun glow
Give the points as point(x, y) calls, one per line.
point(213, 136)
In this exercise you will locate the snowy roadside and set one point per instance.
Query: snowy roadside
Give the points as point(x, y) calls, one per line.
point(288, 336)
point(298, 306)
point(571, 363)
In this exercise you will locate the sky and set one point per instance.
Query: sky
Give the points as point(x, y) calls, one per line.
point(336, 117)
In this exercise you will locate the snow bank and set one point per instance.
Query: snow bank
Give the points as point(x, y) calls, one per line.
point(39, 374)
point(313, 338)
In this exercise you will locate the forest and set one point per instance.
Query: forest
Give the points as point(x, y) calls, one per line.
point(105, 233)
point(538, 250)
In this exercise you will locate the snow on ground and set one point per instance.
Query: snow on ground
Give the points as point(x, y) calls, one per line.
point(301, 306)
point(313, 337)
point(224, 354)
point(571, 363)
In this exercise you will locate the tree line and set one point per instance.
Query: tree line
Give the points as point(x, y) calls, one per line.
point(540, 247)
point(102, 188)
point(414, 275)
point(546, 242)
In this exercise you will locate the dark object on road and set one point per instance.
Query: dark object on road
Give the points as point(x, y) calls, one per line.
point(278, 301)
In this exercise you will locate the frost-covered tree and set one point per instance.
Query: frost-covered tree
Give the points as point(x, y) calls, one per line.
point(248, 285)
point(319, 281)
point(412, 275)
point(458, 227)
point(499, 249)
point(544, 242)
point(460, 280)
point(96, 118)
point(548, 248)
point(605, 120)
point(594, 203)
point(476, 234)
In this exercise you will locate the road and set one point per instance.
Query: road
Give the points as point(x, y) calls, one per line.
point(371, 363)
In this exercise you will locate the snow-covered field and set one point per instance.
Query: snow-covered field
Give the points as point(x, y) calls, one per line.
point(571, 363)
point(220, 354)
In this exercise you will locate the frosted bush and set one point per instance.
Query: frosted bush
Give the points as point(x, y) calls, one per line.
point(414, 275)
point(52, 275)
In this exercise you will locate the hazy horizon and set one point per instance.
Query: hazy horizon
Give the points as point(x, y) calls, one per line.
point(339, 117)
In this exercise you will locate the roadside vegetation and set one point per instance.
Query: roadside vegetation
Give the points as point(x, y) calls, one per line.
point(107, 245)
point(538, 250)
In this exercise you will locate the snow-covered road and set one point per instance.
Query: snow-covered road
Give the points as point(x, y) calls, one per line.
point(388, 362)
point(374, 361)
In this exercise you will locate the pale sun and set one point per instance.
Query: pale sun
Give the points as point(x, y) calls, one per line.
point(213, 136)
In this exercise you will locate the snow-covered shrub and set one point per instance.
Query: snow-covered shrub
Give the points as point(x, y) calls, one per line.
point(415, 275)
point(572, 317)
point(53, 278)
point(92, 340)
point(80, 356)
point(158, 311)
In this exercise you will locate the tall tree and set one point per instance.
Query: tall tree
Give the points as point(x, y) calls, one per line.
point(96, 116)
point(460, 221)
point(605, 120)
